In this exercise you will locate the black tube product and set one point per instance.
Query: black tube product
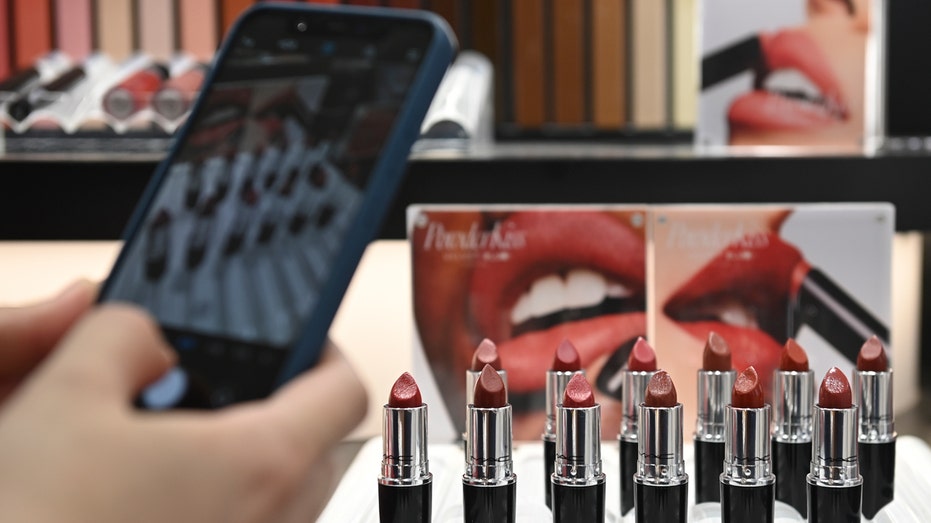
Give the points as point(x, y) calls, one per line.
point(748, 486)
point(489, 485)
point(793, 393)
point(578, 481)
point(714, 393)
point(556, 382)
point(876, 439)
point(834, 483)
point(661, 486)
point(635, 386)
point(405, 482)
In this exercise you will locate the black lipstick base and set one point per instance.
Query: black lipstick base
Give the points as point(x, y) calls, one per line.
point(668, 504)
point(877, 466)
point(549, 462)
point(578, 504)
point(405, 504)
point(748, 504)
point(709, 459)
point(833, 504)
point(791, 462)
point(491, 504)
point(628, 469)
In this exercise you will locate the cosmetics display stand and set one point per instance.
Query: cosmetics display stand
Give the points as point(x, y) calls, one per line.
point(356, 498)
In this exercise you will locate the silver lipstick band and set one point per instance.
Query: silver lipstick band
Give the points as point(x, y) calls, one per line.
point(874, 397)
point(404, 447)
point(556, 382)
point(659, 446)
point(635, 390)
point(578, 446)
point(488, 458)
point(792, 409)
point(714, 393)
point(834, 448)
point(747, 447)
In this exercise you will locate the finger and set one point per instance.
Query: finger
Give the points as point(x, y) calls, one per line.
point(27, 334)
point(115, 350)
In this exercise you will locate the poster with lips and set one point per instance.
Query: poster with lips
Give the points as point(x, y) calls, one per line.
point(527, 278)
point(787, 73)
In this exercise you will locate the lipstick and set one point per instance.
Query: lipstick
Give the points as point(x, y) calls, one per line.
point(45, 94)
point(661, 486)
point(748, 486)
point(566, 364)
point(485, 354)
point(641, 365)
point(876, 437)
point(793, 391)
point(715, 381)
point(834, 483)
point(405, 483)
point(176, 95)
point(133, 94)
point(578, 482)
point(489, 485)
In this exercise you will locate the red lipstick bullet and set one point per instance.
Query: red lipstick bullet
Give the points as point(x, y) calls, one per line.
point(566, 364)
point(876, 436)
point(661, 486)
point(578, 483)
point(485, 354)
point(715, 381)
point(748, 492)
point(834, 483)
point(793, 395)
point(489, 485)
point(405, 482)
point(641, 365)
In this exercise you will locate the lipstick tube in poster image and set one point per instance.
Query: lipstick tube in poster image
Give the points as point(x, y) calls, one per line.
point(489, 485)
point(641, 365)
point(661, 486)
point(748, 486)
point(566, 364)
point(793, 396)
point(834, 483)
point(485, 354)
point(715, 381)
point(578, 481)
point(873, 386)
point(405, 482)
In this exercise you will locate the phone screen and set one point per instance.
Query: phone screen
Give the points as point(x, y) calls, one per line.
point(259, 195)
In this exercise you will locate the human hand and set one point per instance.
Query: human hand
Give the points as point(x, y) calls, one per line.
point(73, 447)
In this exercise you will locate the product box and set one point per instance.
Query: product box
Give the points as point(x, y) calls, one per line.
point(758, 274)
point(789, 73)
point(527, 278)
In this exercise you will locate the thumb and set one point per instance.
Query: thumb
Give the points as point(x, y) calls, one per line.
point(114, 351)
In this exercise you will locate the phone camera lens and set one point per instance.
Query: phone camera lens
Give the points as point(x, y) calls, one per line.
point(302, 26)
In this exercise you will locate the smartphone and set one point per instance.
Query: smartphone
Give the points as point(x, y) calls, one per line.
point(251, 228)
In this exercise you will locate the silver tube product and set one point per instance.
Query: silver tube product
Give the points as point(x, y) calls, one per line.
point(405, 481)
point(793, 398)
point(634, 392)
point(747, 483)
point(660, 483)
point(876, 438)
point(471, 378)
point(489, 482)
point(578, 480)
point(834, 483)
point(714, 393)
point(556, 382)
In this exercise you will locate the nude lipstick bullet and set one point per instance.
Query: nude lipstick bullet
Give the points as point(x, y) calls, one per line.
point(661, 486)
point(834, 483)
point(566, 364)
point(405, 482)
point(748, 492)
point(489, 485)
point(873, 386)
point(485, 354)
point(793, 395)
point(578, 482)
point(715, 381)
point(641, 365)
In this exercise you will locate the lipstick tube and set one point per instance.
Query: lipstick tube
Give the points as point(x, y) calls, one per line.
point(578, 481)
point(635, 386)
point(471, 378)
point(405, 482)
point(834, 483)
point(714, 393)
point(489, 485)
point(556, 382)
point(791, 453)
point(748, 485)
point(660, 484)
point(876, 439)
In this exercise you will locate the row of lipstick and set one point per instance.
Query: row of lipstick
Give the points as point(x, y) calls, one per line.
point(55, 88)
point(806, 454)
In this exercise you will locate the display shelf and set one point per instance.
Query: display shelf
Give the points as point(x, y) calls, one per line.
point(71, 197)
